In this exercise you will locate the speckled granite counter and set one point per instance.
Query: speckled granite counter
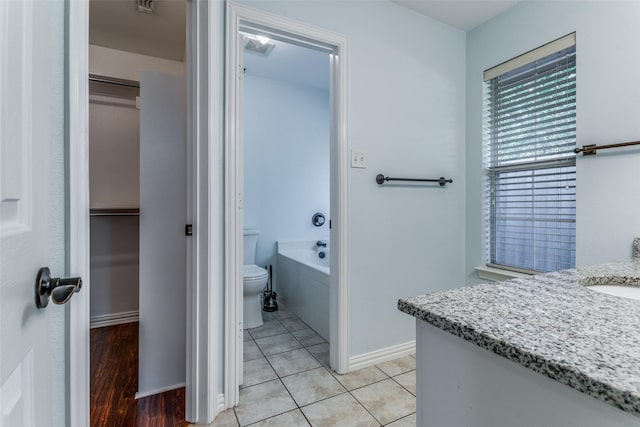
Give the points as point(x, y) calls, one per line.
point(553, 324)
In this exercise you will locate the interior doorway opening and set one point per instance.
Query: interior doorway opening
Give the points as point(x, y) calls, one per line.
point(286, 221)
point(138, 199)
point(242, 20)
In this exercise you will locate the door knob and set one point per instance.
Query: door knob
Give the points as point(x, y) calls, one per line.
point(54, 288)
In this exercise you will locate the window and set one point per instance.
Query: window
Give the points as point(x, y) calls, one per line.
point(530, 134)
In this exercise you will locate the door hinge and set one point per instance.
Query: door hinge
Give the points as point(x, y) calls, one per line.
point(188, 230)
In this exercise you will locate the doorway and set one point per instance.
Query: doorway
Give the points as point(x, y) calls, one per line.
point(244, 20)
point(286, 234)
point(138, 211)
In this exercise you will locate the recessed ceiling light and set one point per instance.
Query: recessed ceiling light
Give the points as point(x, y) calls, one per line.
point(259, 44)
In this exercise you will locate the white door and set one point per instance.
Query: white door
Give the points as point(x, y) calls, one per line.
point(163, 244)
point(32, 211)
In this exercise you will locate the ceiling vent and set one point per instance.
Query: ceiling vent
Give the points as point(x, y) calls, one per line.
point(258, 44)
point(145, 6)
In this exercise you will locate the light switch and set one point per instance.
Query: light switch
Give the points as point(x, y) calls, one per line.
point(358, 159)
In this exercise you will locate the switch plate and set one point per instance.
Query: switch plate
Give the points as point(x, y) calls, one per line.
point(358, 159)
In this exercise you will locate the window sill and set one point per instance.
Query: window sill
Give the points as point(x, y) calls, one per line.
point(498, 274)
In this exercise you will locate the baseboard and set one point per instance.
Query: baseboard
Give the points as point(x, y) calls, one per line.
point(379, 356)
point(221, 405)
point(140, 395)
point(113, 319)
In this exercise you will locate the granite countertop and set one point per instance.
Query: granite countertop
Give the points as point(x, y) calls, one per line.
point(553, 324)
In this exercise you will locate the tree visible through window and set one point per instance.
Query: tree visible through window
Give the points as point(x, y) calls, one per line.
point(530, 133)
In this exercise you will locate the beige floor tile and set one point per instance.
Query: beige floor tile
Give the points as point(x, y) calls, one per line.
point(268, 329)
point(407, 380)
point(413, 355)
point(266, 316)
point(250, 351)
point(341, 410)
point(320, 352)
point(293, 324)
point(288, 419)
point(307, 337)
point(263, 401)
point(398, 366)
point(386, 400)
point(257, 371)
point(311, 386)
point(278, 344)
point(292, 362)
point(361, 377)
point(246, 336)
point(224, 419)
point(409, 421)
point(282, 313)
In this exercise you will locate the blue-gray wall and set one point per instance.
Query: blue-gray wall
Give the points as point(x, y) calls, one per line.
point(286, 162)
point(406, 112)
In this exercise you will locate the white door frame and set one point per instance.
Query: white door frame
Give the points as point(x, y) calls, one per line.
point(203, 286)
point(243, 17)
point(78, 219)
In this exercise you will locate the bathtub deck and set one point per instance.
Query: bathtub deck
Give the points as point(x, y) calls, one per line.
point(303, 285)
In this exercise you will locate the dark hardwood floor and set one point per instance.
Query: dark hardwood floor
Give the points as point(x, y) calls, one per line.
point(114, 382)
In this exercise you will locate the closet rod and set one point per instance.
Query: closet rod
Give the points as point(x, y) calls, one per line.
point(114, 212)
point(113, 81)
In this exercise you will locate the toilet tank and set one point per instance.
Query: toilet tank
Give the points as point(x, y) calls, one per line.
point(250, 244)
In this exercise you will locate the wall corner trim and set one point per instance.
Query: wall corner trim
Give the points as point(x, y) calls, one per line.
point(221, 403)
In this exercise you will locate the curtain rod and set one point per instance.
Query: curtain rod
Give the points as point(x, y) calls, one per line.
point(590, 150)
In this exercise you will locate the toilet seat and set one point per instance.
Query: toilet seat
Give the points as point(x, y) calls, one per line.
point(254, 273)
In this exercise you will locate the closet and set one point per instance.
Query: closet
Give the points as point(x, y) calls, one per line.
point(138, 195)
point(114, 165)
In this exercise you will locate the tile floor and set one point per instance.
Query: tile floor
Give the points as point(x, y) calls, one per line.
point(288, 383)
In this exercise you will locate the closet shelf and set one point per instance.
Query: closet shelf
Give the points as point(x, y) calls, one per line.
point(115, 212)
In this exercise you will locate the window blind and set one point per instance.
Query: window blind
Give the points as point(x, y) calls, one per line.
point(530, 133)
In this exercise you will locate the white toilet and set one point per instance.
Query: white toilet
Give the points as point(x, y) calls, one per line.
point(255, 280)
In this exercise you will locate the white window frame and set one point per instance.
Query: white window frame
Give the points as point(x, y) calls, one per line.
point(492, 271)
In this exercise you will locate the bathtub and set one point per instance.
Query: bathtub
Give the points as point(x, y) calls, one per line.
point(303, 283)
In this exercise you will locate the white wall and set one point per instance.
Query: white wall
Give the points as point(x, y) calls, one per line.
point(608, 95)
point(114, 155)
point(286, 162)
point(114, 183)
point(114, 266)
point(406, 112)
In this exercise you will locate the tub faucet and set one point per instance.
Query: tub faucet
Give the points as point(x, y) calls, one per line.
point(321, 244)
